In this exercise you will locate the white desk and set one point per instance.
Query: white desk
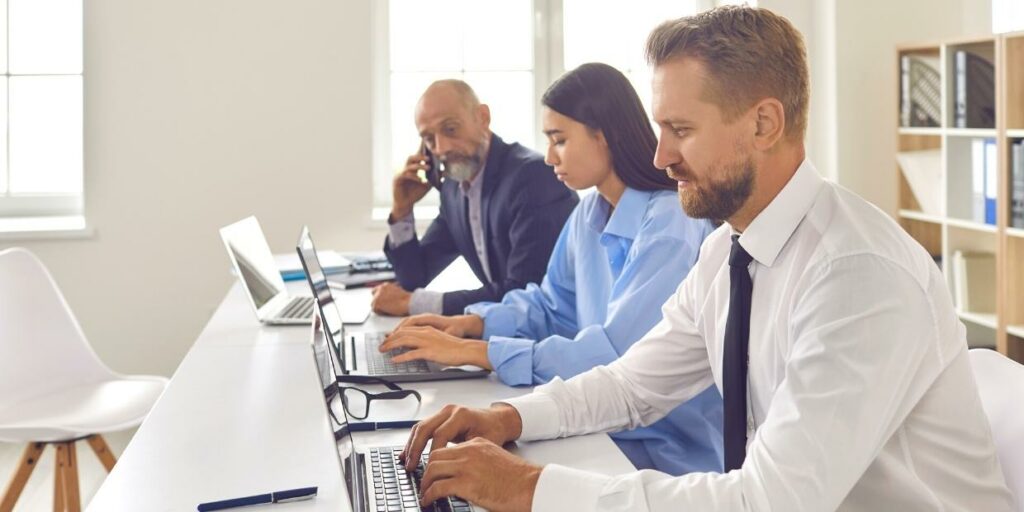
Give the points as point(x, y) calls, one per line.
point(244, 415)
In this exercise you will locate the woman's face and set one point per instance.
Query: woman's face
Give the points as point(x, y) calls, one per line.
point(579, 155)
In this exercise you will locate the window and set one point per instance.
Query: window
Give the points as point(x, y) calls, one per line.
point(614, 32)
point(1007, 16)
point(508, 50)
point(41, 149)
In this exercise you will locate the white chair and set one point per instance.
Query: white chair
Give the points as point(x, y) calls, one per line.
point(1001, 386)
point(53, 388)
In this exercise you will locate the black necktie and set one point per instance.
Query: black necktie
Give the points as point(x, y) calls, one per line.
point(734, 359)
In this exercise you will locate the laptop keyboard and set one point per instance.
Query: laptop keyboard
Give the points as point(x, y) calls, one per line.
point(379, 363)
point(299, 307)
point(394, 491)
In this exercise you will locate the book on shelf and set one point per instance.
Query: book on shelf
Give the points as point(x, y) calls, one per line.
point(1017, 185)
point(974, 281)
point(920, 87)
point(984, 180)
point(974, 91)
point(923, 172)
point(978, 180)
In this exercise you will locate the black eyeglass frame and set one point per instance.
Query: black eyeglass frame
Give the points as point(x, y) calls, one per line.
point(396, 392)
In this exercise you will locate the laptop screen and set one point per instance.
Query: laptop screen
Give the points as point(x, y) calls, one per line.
point(253, 260)
point(319, 286)
point(328, 370)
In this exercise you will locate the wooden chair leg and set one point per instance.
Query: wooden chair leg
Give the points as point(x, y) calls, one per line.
point(29, 460)
point(99, 445)
point(58, 480)
point(72, 501)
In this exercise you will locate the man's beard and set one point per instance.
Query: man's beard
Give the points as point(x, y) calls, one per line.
point(720, 200)
point(460, 167)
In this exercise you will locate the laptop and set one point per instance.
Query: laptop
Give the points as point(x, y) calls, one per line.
point(374, 478)
point(253, 262)
point(358, 352)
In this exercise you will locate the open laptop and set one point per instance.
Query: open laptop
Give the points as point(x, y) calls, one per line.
point(263, 284)
point(358, 352)
point(374, 478)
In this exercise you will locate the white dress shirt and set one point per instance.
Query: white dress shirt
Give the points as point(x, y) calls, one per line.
point(860, 394)
point(404, 230)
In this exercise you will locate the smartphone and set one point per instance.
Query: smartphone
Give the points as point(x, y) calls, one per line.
point(435, 168)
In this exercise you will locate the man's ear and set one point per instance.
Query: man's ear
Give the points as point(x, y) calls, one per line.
point(483, 114)
point(770, 123)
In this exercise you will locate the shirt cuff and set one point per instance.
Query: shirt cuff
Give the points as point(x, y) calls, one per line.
point(539, 414)
point(426, 301)
point(402, 230)
point(512, 359)
point(560, 488)
point(499, 319)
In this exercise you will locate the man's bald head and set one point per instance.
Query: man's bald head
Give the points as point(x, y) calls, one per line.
point(450, 92)
point(452, 122)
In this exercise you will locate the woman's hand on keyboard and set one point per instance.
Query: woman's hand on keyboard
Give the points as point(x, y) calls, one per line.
point(463, 326)
point(481, 472)
point(433, 345)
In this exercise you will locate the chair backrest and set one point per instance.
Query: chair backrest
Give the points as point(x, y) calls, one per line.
point(1001, 386)
point(42, 347)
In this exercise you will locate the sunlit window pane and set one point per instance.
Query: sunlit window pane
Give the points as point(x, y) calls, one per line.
point(426, 36)
point(46, 134)
point(510, 98)
point(45, 36)
point(3, 135)
point(503, 42)
point(3, 37)
point(1007, 16)
point(588, 26)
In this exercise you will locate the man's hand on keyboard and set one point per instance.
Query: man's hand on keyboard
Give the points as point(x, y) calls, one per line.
point(463, 326)
point(481, 472)
point(499, 424)
point(433, 345)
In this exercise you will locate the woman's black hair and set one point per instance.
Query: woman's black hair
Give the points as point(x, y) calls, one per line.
point(601, 97)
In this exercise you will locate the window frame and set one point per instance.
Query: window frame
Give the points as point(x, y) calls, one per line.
point(41, 212)
point(548, 64)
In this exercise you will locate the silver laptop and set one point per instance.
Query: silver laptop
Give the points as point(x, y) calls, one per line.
point(374, 478)
point(253, 262)
point(358, 352)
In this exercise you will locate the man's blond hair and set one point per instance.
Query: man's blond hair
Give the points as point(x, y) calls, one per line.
point(750, 54)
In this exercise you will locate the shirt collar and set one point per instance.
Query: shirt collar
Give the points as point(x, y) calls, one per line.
point(626, 218)
point(474, 184)
point(772, 228)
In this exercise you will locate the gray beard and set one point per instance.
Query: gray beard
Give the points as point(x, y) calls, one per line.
point(459, 171)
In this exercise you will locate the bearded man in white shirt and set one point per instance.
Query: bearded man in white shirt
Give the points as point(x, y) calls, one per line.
point(829, 331)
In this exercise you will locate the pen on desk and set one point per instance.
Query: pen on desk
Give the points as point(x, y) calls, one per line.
point(304, 493)
point(367, 426)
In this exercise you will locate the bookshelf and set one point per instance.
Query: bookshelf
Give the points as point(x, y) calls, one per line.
point(936, 164)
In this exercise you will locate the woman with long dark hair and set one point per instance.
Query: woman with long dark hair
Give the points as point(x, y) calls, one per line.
point(621, 254)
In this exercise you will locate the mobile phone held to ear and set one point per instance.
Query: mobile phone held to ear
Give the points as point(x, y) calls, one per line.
point(435, 168)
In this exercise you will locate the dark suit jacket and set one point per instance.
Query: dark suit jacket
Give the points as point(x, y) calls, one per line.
point(524, 207)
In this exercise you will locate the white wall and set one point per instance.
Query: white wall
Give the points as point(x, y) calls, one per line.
point(851, 48)
point(198, 113)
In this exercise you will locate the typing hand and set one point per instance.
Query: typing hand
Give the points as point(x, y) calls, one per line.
point(390, 299)
point(499, 424)
point(463, 326)
point(433, 345)
point(483, 473)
